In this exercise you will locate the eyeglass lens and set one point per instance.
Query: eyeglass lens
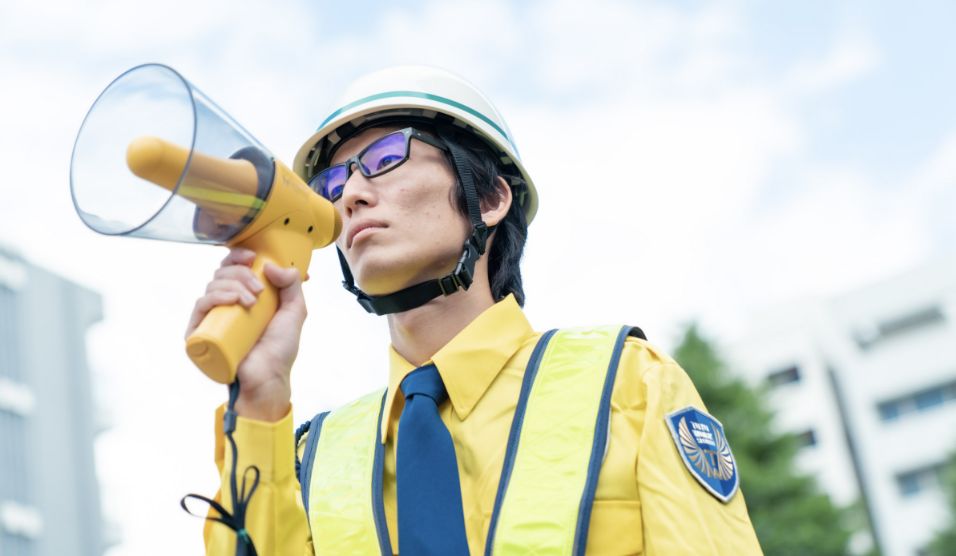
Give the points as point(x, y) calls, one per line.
point(379, 157)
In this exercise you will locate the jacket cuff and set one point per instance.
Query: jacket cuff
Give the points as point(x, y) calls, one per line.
point(270, 446)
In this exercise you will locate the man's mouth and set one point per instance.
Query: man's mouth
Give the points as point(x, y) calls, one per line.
point(361, 228)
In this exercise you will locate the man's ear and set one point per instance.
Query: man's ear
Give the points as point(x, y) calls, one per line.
point(494, 211)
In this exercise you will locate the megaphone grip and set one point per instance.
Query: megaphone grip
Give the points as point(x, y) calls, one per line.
point(228, 332)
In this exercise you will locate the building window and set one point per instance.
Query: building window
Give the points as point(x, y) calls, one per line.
point(19, 519)
point(807, 439)
point(920, 401)
point(873, 333)
point(919, 480)
point(786, 376)
point(929, 399)
point(889, 411)
point(909, 484)
point(913, 321)
point(16, 398)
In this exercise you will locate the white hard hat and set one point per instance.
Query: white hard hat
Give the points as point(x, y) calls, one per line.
point(416, 92)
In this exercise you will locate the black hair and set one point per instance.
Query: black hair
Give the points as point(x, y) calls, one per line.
point(507, 246)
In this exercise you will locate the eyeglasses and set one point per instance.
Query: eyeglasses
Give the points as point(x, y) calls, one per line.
point(382, 156)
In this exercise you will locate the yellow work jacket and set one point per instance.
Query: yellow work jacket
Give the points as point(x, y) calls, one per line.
point(646, 500)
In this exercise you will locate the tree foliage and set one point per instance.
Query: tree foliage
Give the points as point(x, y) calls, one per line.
point(789, 513)
point(944, 543)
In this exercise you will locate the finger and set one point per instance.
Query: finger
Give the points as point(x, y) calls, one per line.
point(216, 298)
point(241, 274)
point(246, 297)
point(240, 256)
point(206, 303)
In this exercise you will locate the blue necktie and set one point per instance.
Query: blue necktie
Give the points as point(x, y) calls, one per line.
point(430, 518)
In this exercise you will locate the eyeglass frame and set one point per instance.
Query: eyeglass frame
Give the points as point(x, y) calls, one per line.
point(408, 132)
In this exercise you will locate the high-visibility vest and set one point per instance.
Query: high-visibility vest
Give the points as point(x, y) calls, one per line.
point(548, 478)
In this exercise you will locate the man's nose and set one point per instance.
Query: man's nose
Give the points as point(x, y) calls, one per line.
point(357, 190)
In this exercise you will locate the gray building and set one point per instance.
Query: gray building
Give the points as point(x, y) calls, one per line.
point(49, 495)
point(867, 379)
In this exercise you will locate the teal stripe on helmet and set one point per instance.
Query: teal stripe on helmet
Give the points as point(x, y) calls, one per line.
point(426, 96)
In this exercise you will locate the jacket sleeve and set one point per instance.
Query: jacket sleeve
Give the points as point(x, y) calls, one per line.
point(276, 519)
point(678, 514)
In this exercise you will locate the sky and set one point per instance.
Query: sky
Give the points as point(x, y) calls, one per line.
point(695, 161)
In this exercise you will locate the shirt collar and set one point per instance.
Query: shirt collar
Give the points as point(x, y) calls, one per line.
point(469, 363)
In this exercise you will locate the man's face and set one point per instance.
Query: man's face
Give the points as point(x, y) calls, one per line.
point(402, 227)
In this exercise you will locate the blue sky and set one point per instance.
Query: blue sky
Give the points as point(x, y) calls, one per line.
point(888, 119)
point(695, 161)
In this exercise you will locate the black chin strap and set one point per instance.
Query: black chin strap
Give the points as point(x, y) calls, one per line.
point(460, 278)
point(420, 294)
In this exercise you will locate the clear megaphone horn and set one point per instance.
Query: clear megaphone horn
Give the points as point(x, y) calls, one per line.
point(156, 158)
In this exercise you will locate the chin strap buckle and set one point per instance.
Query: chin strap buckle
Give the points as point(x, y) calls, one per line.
point(479, 237)
point(449, 284)
point(464, 273)
point(461, 278)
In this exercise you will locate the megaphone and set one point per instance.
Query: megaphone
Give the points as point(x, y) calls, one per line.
point(156, 158)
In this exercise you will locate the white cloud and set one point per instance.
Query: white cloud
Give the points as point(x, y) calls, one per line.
point(626, 50)
point(835, 233)
point(852, 56)
point(635, 199)
point(933, 190)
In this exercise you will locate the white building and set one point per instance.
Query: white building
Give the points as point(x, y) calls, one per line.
point(49, 494)
point(868, 381)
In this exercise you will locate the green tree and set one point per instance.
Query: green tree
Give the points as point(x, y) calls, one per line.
point(944, 543)
point(790, 514)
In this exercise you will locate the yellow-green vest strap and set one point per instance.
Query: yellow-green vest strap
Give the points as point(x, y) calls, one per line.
point(345, 507)
point(557, 444)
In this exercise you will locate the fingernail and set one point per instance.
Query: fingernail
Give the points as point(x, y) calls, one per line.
point(247, 298)
point(257, 285)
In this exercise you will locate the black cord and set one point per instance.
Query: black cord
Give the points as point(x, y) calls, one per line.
point(235, 520)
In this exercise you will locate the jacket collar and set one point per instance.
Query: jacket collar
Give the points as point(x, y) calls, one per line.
point(470, 362)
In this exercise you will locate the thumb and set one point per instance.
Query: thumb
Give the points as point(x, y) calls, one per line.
point(289, 284)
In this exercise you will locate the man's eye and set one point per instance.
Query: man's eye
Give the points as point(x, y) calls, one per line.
point(387, 161)
point(335, 192)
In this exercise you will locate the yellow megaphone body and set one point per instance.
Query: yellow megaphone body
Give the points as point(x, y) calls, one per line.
point(225, 188)
point(287, 226)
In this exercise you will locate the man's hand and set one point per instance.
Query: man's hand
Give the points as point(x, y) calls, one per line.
point(264, 373)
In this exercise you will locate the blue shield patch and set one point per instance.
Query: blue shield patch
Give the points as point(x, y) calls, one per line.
point(702, 445)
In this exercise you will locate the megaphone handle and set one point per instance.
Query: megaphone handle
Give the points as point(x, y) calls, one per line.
point(227, 333)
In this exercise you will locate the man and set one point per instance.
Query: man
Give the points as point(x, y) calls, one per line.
point(490, 437)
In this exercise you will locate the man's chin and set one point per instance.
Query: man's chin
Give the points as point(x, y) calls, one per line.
point(382, 277)
point(380, 281)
